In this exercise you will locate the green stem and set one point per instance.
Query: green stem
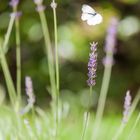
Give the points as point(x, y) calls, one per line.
point(87, 116)
point(56, 50)
point(86, 119)
point(8, 33)
point(50, 67)
point(56, 67)
point(134, 126)
point(48, 52)
point(102, 98)
point(18, 57)
point(8, 78)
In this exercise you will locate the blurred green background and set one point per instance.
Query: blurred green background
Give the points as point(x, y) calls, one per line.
point(74, 38)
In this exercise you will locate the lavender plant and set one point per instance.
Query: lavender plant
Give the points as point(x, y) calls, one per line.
point(128, 113)
point(92, 67)
point(39, 130)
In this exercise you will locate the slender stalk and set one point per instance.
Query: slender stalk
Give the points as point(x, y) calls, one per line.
point(51, 68)
point(56, 50)
point(8, 78)
point(86, 120)
point(102, 99)
point(18, 55)
point(86, 116)
point(8, 33)
point(134, 126)
point(54, 5)
point(123, 125)
point(48, 52)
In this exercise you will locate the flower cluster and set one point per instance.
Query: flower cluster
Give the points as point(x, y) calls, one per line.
point(29, 90)
point(92, 65)
point(40, 6)
point(110, 42)
point(127, 105)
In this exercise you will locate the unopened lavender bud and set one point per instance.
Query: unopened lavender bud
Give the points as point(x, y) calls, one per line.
point(53, 4)
point(29, 90)
point(127, 105)
point(14, 3)
point(92, 65)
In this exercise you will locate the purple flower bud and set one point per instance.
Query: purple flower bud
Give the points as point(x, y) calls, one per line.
point(14, 3)
point(127, 105)
point(92, 65)
point(29, 90)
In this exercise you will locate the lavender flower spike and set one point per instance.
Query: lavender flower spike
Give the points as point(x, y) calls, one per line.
point(127, 105)
point(29, 90)
point(110, 42)
point(14, 3)
point(92, 65)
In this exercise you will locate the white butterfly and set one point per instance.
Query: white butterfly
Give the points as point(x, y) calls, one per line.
point(89, 15)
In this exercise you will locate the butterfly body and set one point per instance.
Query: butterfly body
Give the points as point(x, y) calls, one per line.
point(89, 15)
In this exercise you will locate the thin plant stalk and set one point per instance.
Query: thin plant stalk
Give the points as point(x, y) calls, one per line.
point(133, 128)
point(54, 5)
point(85, 126)
point(123, 125)
point(50, 66)
point(8, 33)
point(86, 119)
point(8, 78)
point(48, 51)
point(18, 55)
point(102, 99)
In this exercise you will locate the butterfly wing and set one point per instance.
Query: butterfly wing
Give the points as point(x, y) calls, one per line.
point(86, 16)
point(87, 12)
point(87, 9)
point(97, 19)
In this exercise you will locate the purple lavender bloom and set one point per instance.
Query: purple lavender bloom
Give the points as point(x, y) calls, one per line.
point(92, 65)
point(110, 42)
point(127, 105)
point(29, 90)
point(14, 3)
